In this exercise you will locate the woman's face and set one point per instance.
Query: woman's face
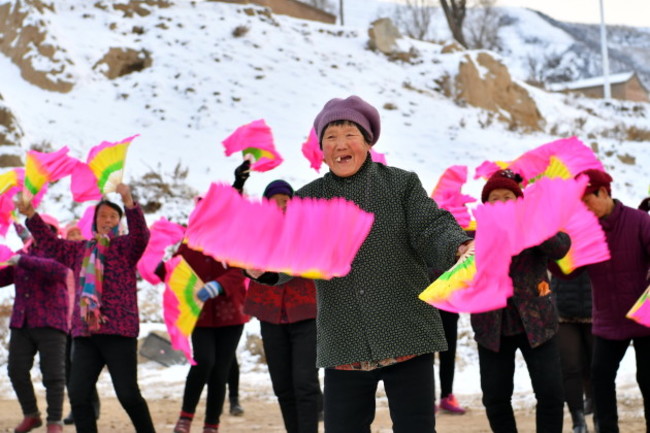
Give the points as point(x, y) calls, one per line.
point(107, 218)
point(599, 204)
point(74, 234)
point(344, 149)
point(501, 194)
point(280, 200)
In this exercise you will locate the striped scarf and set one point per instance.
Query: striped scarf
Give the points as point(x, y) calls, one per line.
point(91, 279)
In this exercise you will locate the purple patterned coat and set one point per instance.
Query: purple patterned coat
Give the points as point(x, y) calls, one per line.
point(41, 292)
point(538, 313)
point(119, 297)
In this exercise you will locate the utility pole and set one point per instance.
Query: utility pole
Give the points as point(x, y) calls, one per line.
point(341, 12)
point(607, 91)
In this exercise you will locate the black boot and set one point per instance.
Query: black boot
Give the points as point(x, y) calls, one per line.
point(579, 424)
point(235, 407)
point(68, 420)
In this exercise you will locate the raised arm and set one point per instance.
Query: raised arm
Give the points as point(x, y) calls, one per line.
point(557, 246)
point(138, 231)
point(53, 269)
point(60, 250)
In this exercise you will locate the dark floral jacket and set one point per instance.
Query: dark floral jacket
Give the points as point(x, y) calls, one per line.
point(226, 309)
point(290, 302)
point(119, 297)
point(531, 300)
point(42, 299)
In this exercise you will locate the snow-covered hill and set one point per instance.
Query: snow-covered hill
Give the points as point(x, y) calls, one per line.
point(205, 80)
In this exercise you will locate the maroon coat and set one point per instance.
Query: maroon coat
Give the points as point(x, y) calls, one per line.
point(41, 292)
point(618, 282)
point(119, 296)
point(226, 309)
point(290, 302)
point(538, 314)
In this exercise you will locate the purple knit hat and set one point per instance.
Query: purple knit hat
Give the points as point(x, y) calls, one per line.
point(353, 109)
point(278, 187)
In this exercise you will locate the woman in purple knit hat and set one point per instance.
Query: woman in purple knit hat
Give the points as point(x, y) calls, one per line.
point(370, 324)
point(287, 315)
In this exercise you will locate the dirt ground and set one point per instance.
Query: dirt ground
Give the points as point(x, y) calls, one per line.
point(263, 415)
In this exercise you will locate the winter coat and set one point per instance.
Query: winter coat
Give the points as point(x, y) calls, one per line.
point(618, 282)
point(119, 303)
point(537, 313)
point(290, 302)
point(573, 297)
point(226, 309)
point(42, 297)
point(373, 313)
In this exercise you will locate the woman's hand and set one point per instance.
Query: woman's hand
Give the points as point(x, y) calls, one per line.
point(125, 192)
point(25, 208)
point(253, 273)
point(465, 250)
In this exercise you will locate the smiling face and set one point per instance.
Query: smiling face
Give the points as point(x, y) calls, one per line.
point(502, 195)
point(344, 149)
point(106, 219)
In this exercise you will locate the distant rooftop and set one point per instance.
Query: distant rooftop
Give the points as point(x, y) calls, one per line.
point(591, 82)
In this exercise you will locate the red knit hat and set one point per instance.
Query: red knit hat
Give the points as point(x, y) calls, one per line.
point(597, 178)
point(505, 179)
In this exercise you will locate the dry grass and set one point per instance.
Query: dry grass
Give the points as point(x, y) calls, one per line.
point(637, 134)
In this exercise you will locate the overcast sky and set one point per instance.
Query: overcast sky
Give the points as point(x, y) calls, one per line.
point(627, 12)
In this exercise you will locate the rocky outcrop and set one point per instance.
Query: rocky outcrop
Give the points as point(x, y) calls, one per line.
point(122, 61)
point(384, 38)
point(452, 47)
point(10, 135)
point(485, 82)
point(24, 39)
point(137, 7)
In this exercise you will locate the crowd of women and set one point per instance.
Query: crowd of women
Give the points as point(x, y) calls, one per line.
point(365, 327)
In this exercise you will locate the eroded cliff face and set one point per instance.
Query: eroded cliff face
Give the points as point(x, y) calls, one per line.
point(26, 40)
point(483, 81)
point(10, 135)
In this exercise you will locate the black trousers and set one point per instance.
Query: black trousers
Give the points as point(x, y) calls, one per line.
point(214, 351)
point(24, 343)
point(291, 357)
point(409, 386)
point(497, 383)
point(69, 350)
point(607, 358)
point(119, 355)
point(233, 380)
point(448, 358)
point(576, 345)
